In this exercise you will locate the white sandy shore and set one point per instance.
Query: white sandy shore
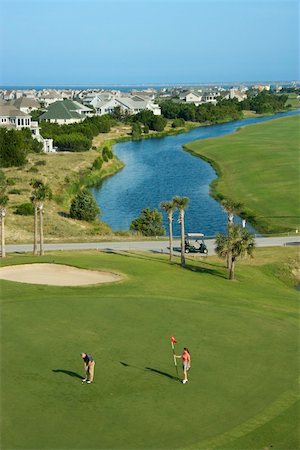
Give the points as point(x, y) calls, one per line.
point(55, 274)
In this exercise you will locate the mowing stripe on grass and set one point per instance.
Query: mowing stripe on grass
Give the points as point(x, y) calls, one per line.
point(284, 401)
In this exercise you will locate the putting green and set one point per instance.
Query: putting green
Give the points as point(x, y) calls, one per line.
point(243, 339)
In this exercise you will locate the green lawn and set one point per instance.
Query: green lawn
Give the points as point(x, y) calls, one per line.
point(259, 167)
point(242, 335)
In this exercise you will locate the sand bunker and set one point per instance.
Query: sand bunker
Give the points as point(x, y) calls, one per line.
point(56, 274)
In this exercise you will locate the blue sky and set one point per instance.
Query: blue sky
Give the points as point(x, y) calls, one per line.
point(88, 42)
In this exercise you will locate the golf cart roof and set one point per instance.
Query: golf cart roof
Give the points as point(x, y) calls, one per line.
point(194, 235)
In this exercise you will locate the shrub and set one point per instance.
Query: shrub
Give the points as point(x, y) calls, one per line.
point(97, 164)
point(178, 123)
point(25, 209)
point(149, 223)
point(84, 207)
point(33, 169)
point(107, 154)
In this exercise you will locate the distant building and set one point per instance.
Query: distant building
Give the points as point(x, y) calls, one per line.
point(106, 102)
point(236, 93)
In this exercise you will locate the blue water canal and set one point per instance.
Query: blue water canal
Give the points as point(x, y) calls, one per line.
point(156, 170)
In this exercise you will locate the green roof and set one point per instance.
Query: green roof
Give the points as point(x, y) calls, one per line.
point(61, 110)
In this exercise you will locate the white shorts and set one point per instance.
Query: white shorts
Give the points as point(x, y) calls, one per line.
point(186, 365)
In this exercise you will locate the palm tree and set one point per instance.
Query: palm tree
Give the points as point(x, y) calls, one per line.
point(3, 203)
point(239, 243)
point(40, 193)
point(181, 203)
point(168, 206)
point(232, 208)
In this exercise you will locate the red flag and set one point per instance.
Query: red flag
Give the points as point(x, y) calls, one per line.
point(172, 339)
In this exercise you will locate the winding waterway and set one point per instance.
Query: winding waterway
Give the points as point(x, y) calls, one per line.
point(156, 170)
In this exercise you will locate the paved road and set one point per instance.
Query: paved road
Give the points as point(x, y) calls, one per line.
point(151, 246)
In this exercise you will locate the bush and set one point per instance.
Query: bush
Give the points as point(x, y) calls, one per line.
point(97, 164)
point(73, 142)
point(149, 223)
point(178, 123)
point(107, 154)
point(136, 130)
point(84, 207)
point(25, 209)
point(33, 169)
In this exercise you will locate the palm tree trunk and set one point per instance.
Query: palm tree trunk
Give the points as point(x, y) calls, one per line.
point(229, 224)
point(231, 270)
point(170, 237)
point(35, 231)
point(2, 234)
point(182, 237)
point(41, 231)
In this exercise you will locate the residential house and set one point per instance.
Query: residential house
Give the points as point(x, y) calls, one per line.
point(49, 97)
point(12, 117)
point(235, 93)
point(191, 97)
point(26, 105)
point(65, 112)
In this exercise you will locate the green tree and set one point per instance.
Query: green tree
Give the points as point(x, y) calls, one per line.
point(239, 244)
point(41, 192)
point(84, 206)
point(158, 123)
point(3, 203)
point(181, 203)
point(149, 223)
point(13, 151)
point(136, 130)
point(232, 208)
point(169, 207)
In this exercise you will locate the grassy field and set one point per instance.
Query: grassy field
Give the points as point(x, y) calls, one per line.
point(243, 338)
point(259, 167)
point(293, 100)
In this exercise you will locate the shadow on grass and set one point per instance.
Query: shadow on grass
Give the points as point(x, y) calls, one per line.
point(151, 370)
point(209, 271)
point(165, 374)
point(193, 268)
point(68, 372)
point(132, 254)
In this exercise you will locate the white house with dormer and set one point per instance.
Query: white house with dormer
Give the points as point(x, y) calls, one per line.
point(12, 118)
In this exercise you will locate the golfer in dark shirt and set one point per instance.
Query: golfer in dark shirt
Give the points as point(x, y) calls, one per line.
point(89, 367)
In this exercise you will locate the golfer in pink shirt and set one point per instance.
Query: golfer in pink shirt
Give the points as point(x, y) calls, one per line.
point(186, 363)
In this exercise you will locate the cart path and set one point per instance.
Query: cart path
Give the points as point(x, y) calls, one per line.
point(156, 246)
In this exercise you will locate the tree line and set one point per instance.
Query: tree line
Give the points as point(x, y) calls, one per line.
point(76, 137)
point(15, 146)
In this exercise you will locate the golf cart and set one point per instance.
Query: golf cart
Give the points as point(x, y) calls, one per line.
point(194, 243)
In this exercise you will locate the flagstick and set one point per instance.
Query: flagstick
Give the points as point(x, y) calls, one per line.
point(175, 361)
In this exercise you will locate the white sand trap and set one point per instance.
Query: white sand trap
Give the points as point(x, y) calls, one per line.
point(56, 274)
